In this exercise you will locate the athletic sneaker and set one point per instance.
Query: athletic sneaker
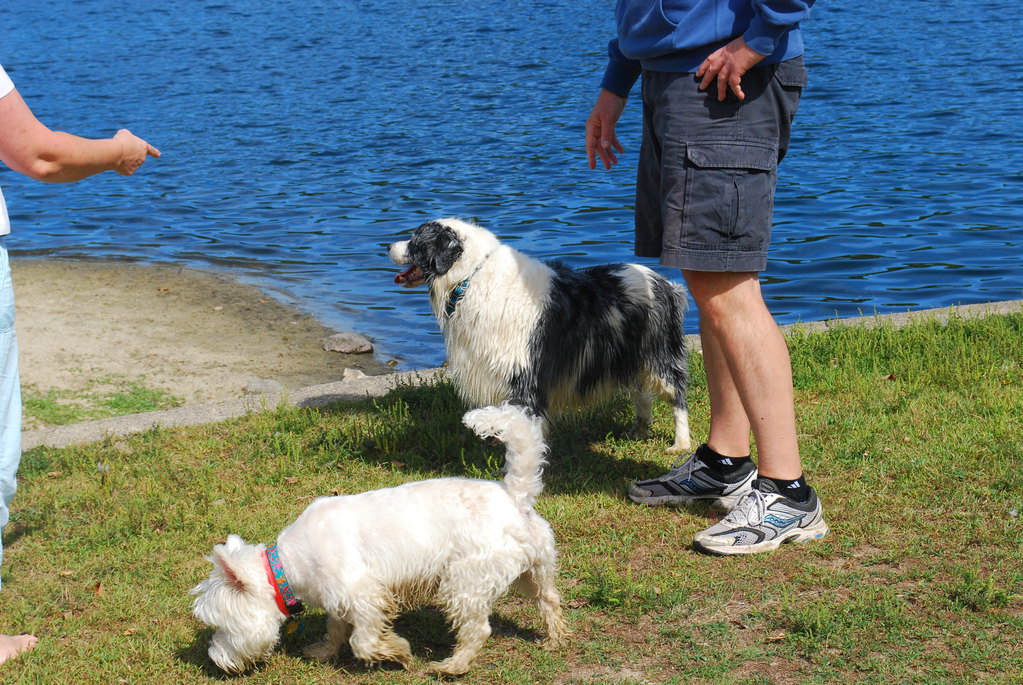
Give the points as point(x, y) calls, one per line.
point(692, 480)
point(762, 521)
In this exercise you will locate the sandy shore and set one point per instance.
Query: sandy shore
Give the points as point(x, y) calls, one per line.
point(204, 337)
point(198, 335)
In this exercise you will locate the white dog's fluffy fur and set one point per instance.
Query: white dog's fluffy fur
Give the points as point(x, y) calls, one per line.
point(544, 336)
point(456, 542)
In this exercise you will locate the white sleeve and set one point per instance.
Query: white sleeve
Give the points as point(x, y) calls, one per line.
point(6, 84)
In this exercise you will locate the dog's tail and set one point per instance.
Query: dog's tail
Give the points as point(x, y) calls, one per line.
point(526, 451)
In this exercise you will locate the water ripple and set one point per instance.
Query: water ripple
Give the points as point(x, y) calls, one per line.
point(296, 148)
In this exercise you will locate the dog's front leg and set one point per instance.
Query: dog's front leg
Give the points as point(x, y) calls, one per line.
point(338, 632)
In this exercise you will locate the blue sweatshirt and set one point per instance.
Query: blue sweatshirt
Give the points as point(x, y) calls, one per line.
point(677, 35)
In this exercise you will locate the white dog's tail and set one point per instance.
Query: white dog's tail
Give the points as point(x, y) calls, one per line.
point(525, 453)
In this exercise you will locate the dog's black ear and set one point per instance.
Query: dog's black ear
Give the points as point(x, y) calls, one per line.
point(449, 249)
point(435, 248)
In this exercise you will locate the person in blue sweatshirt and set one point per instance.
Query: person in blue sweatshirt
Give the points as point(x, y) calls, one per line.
point(720, 84)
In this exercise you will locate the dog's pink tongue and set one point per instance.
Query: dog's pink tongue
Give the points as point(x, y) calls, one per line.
point(404, 275)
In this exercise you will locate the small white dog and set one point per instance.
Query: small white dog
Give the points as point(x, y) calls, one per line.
point(545, 336)
point(456, 542)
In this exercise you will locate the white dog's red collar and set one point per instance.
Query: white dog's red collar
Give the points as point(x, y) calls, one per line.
point(283, 594)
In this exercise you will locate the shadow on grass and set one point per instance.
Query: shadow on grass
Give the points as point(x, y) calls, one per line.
point(427, 630)
point(420, 427)
point(15, 532)
point(196, 655)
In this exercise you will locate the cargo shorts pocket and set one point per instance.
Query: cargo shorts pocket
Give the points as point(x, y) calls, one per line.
point(729, 194)
point(791, 73)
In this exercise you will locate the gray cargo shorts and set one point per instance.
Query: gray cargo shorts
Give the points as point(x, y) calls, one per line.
point(707, 169)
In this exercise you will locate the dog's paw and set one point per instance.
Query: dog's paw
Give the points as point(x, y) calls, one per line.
point(449, 666)
point(640, 430)
point(681, 445)
point(558, 638)
point(321, 651)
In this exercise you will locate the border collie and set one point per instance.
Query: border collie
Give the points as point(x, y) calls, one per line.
point(543, 335)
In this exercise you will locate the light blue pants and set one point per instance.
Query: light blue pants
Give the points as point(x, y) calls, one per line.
point(10, 393)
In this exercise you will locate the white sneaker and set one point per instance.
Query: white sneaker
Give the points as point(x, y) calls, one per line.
point(762, 521)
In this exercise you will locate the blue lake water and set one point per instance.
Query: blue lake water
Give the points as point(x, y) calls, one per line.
point(301, 137)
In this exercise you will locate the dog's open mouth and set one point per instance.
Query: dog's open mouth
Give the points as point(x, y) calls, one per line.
point(410, 277)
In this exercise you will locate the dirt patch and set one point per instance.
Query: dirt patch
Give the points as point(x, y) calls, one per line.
point(199, 335)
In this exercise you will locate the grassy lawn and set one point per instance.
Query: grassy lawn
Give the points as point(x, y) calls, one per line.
point(114, 395)
point(912, 437)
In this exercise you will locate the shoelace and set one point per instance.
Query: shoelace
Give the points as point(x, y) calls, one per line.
point(685, 459)
point(750, 510)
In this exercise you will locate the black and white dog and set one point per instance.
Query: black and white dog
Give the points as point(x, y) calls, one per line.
point(545, 336)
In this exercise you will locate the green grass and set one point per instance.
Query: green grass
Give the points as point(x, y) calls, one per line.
point(912, 437)
point(114, 395)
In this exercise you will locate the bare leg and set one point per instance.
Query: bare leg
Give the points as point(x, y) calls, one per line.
point(748, 366)
point(12, 646)
point(729, 426)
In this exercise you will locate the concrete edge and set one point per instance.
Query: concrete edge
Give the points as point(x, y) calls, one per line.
point(197, 414)
point(378, 386)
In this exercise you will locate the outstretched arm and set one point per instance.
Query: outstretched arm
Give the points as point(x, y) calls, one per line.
point(30, 148)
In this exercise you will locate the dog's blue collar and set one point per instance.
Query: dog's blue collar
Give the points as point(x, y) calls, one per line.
point(458, 292)
point(455, 296)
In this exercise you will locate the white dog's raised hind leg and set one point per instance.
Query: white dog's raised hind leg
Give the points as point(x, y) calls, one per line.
point(338, 632)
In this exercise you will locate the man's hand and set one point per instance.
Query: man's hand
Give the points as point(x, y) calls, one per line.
point(135, 151)
point(601, 140)
point(727, 65)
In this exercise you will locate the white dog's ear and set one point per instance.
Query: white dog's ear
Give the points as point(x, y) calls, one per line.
point(223, 560)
